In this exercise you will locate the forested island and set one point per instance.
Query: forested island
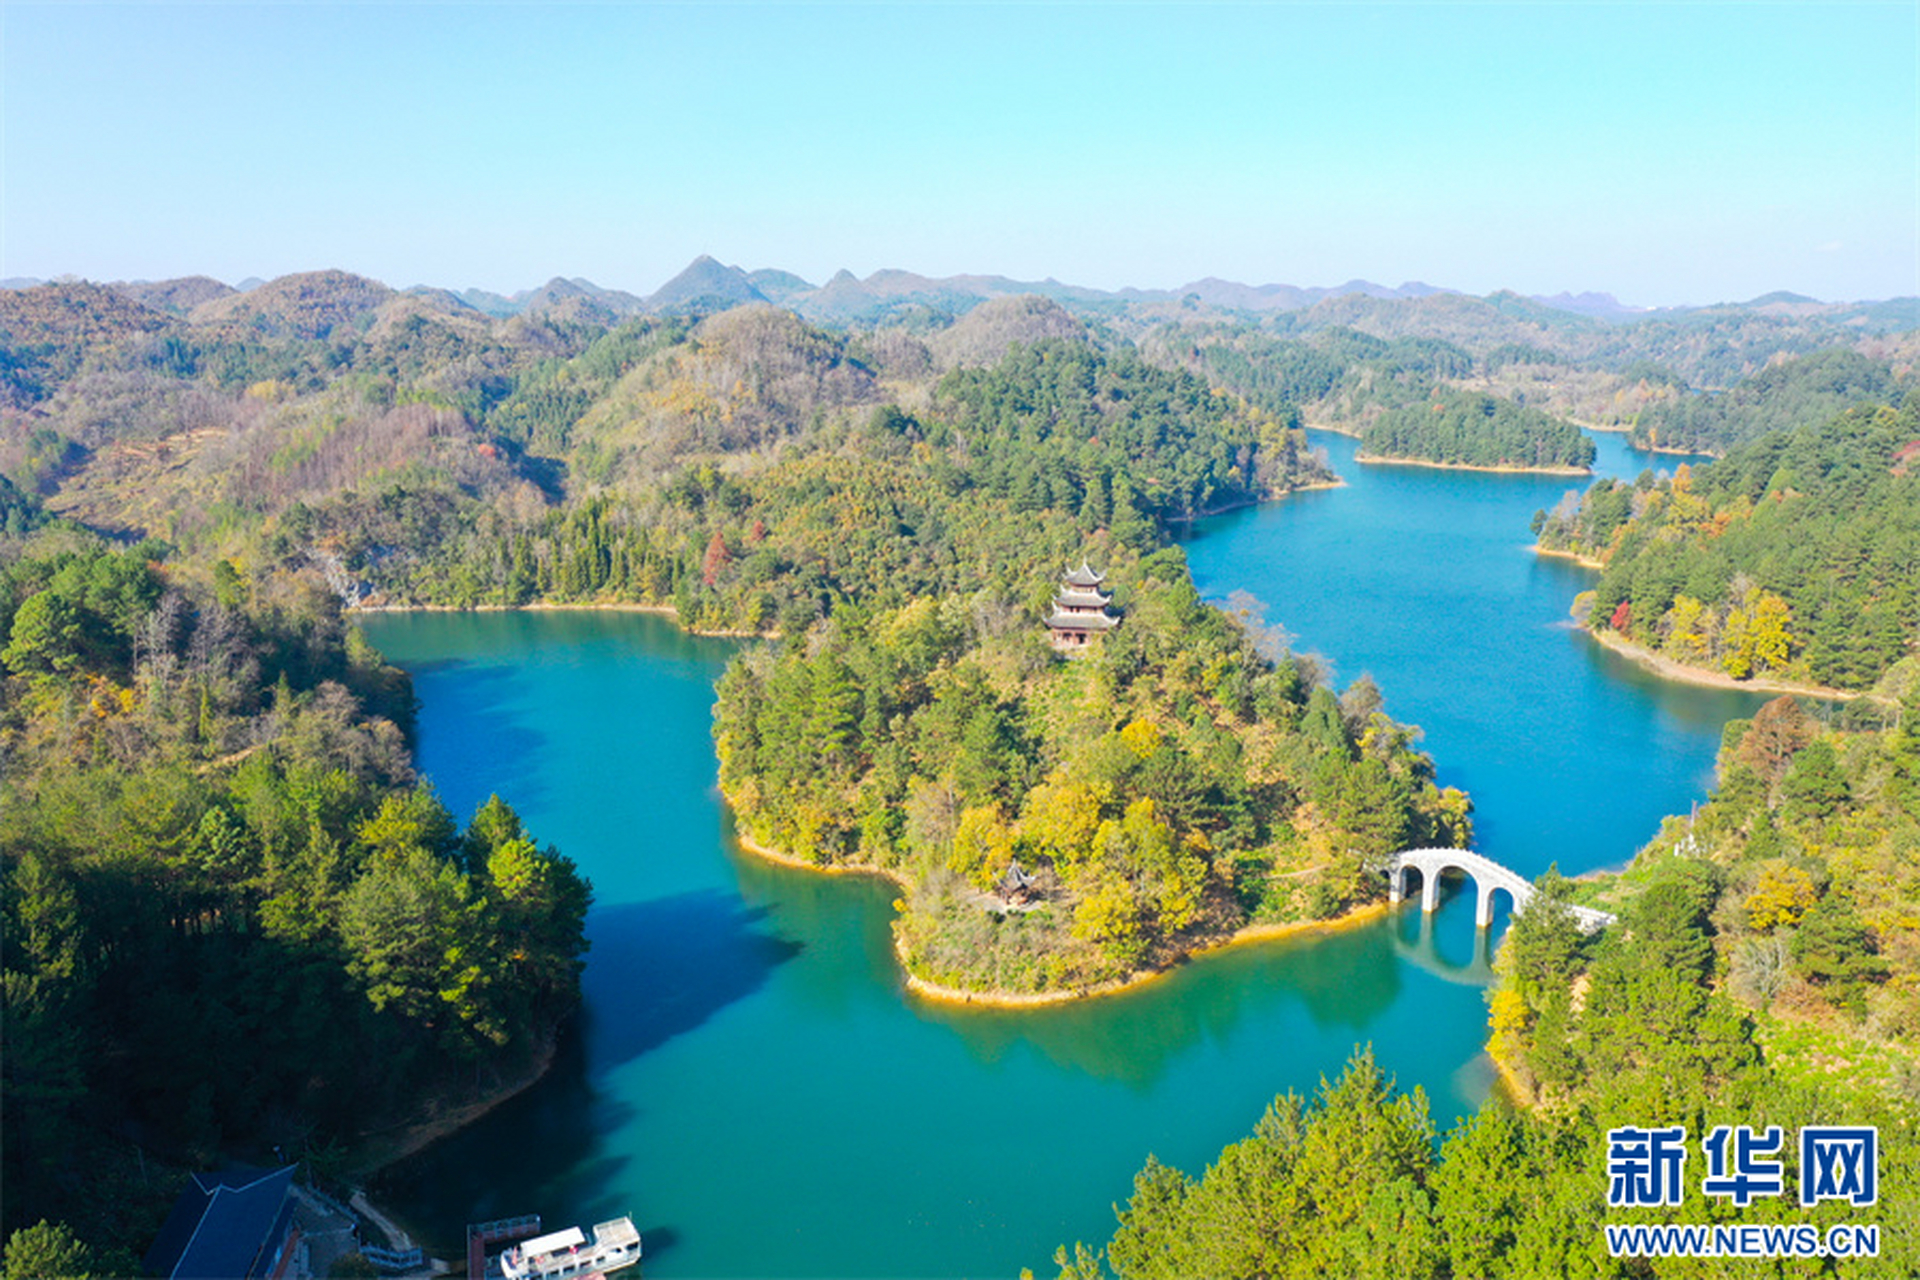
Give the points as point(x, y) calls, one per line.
point(208, 790)
point(1795, 558)
point(1468, 429)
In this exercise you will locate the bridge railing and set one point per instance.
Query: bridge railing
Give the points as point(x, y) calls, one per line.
point(1487, 875)
point(526, 1224)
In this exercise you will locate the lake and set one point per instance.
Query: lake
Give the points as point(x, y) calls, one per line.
point(751, 1082)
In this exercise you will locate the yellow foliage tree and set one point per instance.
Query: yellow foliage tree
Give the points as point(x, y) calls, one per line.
point(1689, 627)
point(1060, 819)
point(1142, 737)
point(1177, 894)
point(1689, 510)
point(1454, 809)
point(1781, 895)
point(1108, 916)
point(1756, 636)
point(982, 844)
point(1168, 875)
point(1507, 1020)
point(1768, 616)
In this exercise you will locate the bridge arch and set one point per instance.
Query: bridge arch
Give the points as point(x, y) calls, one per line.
point(1488, 878)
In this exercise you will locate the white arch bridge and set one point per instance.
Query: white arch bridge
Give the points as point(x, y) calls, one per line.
point(1488, 877)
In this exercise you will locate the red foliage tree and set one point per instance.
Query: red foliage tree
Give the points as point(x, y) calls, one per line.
point(715, 560)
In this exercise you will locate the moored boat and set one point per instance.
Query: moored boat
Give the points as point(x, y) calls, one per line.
point(568, 1255)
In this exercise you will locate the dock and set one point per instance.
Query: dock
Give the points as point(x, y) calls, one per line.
point(482, 1236)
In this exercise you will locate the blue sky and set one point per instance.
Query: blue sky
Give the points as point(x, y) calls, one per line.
point(1666, 153)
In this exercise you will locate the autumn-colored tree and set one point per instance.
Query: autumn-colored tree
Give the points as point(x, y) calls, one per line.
point(1109, 916)
point(1779, 730)
point(1780, 896)
point(1689, 626)
point(982, 844)
point(715, 560)
point(1768, 620)
point(1059, 819)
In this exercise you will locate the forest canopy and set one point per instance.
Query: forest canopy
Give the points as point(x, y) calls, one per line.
point(1795, 557)
point(231, 915)
point(1459, 428)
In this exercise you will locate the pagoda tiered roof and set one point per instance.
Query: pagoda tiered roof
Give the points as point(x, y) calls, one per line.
point(1084, 576)
point(1082, 621)
point(1082, 600)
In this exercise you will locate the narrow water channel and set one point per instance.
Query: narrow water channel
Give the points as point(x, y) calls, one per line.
point(750, 1081)
point(1426, 581)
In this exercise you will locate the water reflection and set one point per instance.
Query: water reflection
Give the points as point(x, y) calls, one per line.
point(1134, 1037)
point(553, 1127)
point(845, 922)
point(492, 724)
point(1422, 950)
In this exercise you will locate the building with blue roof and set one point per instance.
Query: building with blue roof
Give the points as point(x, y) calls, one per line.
point(233, 1225)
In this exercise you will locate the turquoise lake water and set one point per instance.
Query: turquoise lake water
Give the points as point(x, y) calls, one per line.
point(750, 1081)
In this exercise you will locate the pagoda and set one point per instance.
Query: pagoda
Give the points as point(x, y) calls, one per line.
point(1079, 610)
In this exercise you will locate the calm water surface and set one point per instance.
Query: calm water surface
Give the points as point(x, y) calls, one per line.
point(1426, 581)
point(749, 1079)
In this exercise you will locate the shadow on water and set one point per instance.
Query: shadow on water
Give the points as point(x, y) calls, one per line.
point(492, 726)
point(489, 1170)
point(661, 968)
point(1134, 1037)
point(1702, 708)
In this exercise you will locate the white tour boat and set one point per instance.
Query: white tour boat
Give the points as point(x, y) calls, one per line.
point(567, 1255)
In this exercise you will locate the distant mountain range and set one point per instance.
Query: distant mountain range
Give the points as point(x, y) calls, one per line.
point(312, 303)
point(707, 284)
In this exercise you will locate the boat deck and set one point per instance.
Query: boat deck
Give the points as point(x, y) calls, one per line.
point(567, 1255)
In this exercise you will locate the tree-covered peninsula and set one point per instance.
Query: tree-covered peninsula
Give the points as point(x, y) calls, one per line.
point(1764, 972)
point(232, 918)
point(1802, 391)
point(1794, 558)
point(1163, 791)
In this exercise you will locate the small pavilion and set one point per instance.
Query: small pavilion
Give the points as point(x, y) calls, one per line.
point(1079, 610)
point(1015, 883)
